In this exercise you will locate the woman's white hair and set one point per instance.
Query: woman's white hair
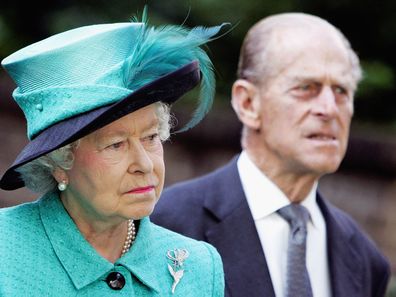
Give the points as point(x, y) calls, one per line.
point(37, 174)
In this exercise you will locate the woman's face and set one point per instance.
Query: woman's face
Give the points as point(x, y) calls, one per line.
point(118, 171)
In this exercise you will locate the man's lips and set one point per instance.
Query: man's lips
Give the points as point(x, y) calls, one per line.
point(322, 136)
point(141, 190)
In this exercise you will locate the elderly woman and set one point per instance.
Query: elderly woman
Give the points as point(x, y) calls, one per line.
point(96, 103)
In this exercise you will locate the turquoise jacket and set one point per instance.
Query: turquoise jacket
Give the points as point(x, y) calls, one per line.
point(44, 254)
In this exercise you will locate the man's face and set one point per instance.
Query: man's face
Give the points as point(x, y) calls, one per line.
point(307, 106)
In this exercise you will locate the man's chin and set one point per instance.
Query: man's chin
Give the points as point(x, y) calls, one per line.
point(323, 169)
point(323, 165)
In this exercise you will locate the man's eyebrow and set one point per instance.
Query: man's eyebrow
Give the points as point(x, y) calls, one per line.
point(344, 81)
point(304, 78)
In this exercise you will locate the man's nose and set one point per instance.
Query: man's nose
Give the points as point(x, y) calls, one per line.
point(326, 104)
point(140, 161)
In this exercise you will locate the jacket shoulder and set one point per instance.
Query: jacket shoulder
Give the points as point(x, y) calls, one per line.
point(16, 219)
point(24, 248)
point(181, 207)
point(193, 186)
point(194, 191)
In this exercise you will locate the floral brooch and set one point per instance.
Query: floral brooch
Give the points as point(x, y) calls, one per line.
point(177, 256)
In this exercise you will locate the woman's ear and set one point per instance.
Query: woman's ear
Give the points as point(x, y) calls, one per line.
point(60, 175)
point(246, 103)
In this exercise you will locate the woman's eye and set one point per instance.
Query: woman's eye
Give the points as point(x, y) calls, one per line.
point(153, 137)
point(116, 145)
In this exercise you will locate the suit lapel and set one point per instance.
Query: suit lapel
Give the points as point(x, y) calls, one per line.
point(236, 238)
point(344, 262)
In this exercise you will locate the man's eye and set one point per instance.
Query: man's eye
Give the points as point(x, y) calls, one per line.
point(306, 90)
point(340, 90)
point(305, 87)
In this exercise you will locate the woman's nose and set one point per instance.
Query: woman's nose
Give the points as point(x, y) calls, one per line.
point(140, 161)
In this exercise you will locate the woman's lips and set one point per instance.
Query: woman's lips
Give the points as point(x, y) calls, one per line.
point(141, 190)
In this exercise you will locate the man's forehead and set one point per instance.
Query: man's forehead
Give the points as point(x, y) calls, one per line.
point(309, 54)
point(314, 68)
point(289, 22)
point(296, 40)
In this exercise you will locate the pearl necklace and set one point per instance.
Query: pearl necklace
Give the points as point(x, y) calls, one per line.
point(129, 240)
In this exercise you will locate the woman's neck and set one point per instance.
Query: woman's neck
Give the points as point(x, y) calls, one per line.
point(107, 242)
point(107, 238)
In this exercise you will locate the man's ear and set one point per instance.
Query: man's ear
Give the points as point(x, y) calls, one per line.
point(246, 103)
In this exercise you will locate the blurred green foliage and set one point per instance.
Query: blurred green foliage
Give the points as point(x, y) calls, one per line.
point(392, 288)
point(370, 26)
point(377, 77)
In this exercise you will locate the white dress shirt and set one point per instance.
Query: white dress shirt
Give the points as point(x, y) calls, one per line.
point(264, 199)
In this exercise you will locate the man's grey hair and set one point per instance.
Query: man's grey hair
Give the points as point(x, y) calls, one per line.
point(37, 174)
point(255, 60)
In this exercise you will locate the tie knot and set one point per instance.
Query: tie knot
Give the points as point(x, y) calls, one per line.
point(295, 214)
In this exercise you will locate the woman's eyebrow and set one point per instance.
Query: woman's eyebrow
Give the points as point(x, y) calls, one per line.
point(150, 125)
point(102, 137)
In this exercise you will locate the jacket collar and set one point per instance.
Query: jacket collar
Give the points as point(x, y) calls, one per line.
point(245, 266)
point(81, 261)
point(143, 257)
point(225, 184)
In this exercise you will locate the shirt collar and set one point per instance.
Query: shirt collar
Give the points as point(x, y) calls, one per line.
point(310, 203)
point(263, 196)
point(81, 261)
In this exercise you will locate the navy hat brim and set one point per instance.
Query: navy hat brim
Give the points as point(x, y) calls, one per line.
point(167, 89)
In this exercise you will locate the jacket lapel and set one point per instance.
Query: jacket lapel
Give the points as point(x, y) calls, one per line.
point(235, 236)
point(344, 262)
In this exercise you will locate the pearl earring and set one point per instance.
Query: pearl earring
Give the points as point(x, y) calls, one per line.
point(62, 186)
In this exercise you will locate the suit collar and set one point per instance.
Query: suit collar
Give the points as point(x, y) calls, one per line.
point(344, 262)
point(226, 183)
point(81, 261)
point(245, 266)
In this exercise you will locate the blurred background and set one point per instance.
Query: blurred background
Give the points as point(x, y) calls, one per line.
point(365, 185)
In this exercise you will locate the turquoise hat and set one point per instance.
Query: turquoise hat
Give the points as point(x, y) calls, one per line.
point(78, 81)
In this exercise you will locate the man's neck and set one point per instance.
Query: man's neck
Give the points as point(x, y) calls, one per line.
point(296, 187)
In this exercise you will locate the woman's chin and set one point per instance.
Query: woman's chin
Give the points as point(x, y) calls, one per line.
point(140, 212)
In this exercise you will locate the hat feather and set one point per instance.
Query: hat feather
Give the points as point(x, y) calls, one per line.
point(164, 49)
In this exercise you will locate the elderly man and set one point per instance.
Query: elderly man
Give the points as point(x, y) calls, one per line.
point(276, 234)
